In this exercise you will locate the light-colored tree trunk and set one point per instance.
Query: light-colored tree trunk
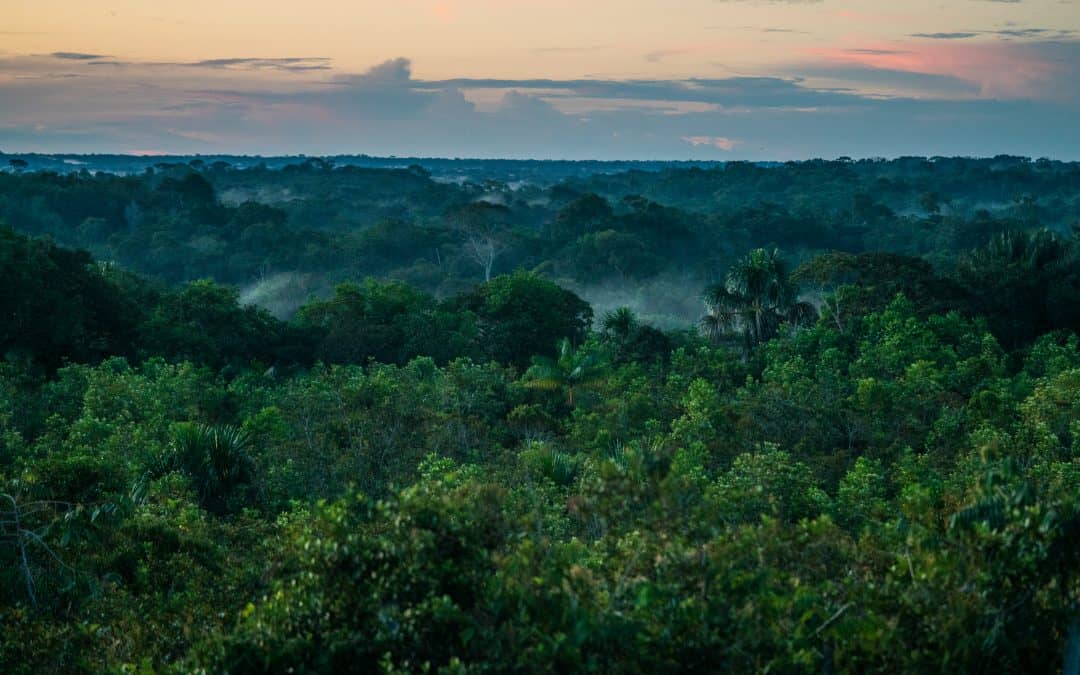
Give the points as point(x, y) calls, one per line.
point(20, 542)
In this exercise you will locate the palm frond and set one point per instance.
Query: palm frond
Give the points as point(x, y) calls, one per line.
point(619, 322)
point(544, 384)
point(216, 458)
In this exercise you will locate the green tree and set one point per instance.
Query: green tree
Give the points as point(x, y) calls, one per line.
point(597, 255)
point(852, 286)
point(572, 371)
point(205, 322)
point(57, 305)
point(217, 459)
point(363, 321)
point(756, 298)
point(588, 213)
point(1026, 283)
point(523, 314)
point(632, 341)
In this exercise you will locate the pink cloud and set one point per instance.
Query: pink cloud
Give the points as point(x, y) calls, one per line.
point(1000, 70)
point(720, 142)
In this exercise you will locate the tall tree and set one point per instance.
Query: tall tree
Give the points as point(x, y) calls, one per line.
point(483, 231)
point(571, 372)
point(756, 298)
point(523, 314)
point(1026, 283)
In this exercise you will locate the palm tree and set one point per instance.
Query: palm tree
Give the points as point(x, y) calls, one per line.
point(619, 323)
point(572, 371)
point(756, 298)
point(1022, 281)
point(1024, 252)
point(216, 458)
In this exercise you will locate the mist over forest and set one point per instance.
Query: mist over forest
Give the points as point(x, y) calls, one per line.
point(645, 235)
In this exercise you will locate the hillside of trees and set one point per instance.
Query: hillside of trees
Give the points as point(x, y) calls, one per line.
point(818, 417)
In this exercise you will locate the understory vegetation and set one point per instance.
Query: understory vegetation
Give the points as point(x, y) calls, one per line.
point(863, 454)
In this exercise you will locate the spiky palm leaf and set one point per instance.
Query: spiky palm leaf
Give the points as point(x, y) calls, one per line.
point(756, 298)
point(216, 459)
point(619, 323)
point(556, 465)
point(572, 370)
point(1020, 251)
point(725, 310)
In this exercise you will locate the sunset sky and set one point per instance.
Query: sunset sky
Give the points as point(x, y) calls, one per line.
point(673, 79)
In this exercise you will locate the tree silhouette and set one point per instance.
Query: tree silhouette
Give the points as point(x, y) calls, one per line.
point(756, 298)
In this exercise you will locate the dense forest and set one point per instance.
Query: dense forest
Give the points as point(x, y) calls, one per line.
point(637, 238)
point(810, 417)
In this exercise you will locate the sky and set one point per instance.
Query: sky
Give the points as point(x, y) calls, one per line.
point(547, 79)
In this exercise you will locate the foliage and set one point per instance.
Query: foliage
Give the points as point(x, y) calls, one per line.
point(456, 478)
point(216, 459)
point(522, 315)
point(573, 371)
point(756, 298)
